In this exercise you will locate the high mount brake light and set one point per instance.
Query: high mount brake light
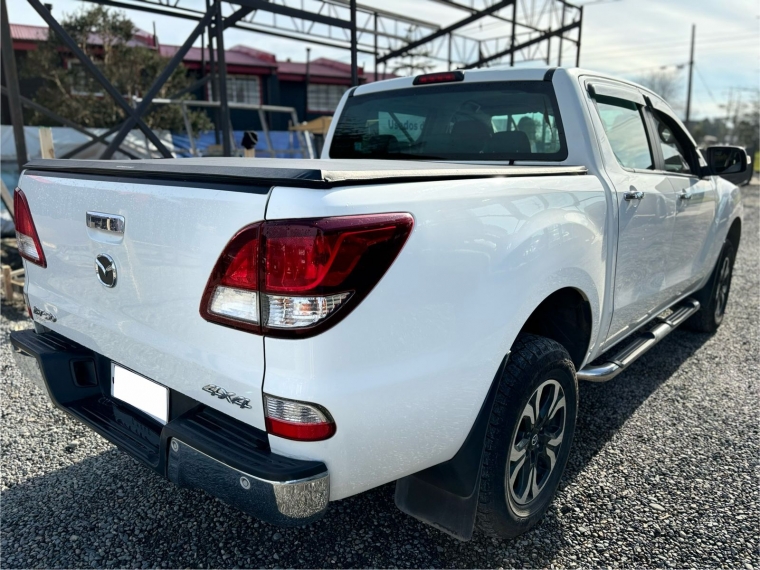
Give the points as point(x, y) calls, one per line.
point(440, 77)
point(29, 246)
point(296, 278)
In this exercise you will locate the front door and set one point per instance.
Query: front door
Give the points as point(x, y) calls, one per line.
point(646, 210)
point(690, 254)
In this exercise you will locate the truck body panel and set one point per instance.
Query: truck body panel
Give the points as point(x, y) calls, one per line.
point(149, 322)
point(414, 361)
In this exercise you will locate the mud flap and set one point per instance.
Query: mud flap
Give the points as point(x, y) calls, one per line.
point(445, 496)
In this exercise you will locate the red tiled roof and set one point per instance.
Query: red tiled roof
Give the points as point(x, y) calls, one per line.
point(239, 55)
point(26, 33)
point(256, 53)
point(321, 67)
point(232, 57)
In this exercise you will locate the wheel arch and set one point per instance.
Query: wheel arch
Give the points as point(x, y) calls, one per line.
point(735, 232)
point(564, 316)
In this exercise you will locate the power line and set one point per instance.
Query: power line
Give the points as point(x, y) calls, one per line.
point(704, 83)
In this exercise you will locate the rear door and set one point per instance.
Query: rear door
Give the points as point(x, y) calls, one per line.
point(646, 206)
point(696, 201)
point(149, 321)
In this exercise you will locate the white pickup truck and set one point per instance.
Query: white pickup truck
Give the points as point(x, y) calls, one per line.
point(416, 306)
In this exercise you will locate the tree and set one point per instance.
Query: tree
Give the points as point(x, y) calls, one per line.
point(715, 128)
point(70, 90)
point(746, 131)
point(666, 83)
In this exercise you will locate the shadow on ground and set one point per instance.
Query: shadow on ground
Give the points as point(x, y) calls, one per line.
point(161, 525)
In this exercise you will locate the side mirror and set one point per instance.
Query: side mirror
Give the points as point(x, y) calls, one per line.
point(729, 162)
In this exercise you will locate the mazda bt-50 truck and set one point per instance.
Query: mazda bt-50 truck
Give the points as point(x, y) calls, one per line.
point(416, 306)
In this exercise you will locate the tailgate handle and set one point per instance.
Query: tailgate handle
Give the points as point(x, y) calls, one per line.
point(106, 222)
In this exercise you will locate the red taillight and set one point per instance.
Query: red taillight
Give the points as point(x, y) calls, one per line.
point(318, 256)
point(231, 296)
point(289, 278)
point(441, 77)
point(29, 246)
point(301, 421)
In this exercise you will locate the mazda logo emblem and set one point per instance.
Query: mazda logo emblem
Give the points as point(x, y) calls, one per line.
point(105, 268)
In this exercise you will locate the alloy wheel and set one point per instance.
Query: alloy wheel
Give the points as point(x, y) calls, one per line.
point(721, 289)
point(536, 443)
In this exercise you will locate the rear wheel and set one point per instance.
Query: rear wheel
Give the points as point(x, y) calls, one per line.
point(713, 297)
point(529, 437)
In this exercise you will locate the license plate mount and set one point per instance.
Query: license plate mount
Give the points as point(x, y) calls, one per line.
point(140, 392)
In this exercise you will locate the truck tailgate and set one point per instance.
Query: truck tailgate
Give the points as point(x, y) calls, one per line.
point(149, 321)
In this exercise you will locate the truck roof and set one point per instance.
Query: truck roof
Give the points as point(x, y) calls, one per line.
point(498, 73)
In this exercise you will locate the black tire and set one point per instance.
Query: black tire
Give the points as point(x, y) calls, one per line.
point(713, 297)
point(535, 362)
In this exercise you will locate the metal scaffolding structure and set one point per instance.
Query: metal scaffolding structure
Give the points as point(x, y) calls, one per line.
point(490, 32)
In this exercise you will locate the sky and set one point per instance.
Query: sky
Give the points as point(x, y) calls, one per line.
point(627, 38)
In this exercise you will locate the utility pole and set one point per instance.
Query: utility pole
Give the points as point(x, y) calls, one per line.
point(691, 76)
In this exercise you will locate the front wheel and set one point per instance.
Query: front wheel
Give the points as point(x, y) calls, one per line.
point(713, 297)
point(529, 437)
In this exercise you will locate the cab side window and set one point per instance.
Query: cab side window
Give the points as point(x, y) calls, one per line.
point(624, 126)
point(673, 143)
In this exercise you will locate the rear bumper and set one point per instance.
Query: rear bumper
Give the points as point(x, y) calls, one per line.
point(199, 447)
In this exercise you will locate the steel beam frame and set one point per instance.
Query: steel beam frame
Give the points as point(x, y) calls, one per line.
point(175, 61)
point(524, 45)
point(447, 30)
point(98, 75)
point(65, 122)
point(530, 25)
point(378, 32)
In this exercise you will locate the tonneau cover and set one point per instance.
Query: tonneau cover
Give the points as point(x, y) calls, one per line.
point(291, 172)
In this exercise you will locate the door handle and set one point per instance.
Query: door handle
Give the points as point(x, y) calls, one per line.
point(633, 195)
point(684, 195)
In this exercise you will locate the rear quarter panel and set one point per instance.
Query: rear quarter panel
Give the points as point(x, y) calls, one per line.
point(406, 373)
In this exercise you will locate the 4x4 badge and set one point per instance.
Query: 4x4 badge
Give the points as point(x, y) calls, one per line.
point(231, 397)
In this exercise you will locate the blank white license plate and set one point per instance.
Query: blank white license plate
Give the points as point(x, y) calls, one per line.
point(145, 395)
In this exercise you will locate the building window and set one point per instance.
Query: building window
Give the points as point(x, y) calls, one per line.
point(325, 98)
point(244, 89)
point(82, 81)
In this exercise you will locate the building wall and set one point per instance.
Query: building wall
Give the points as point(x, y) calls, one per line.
point(273, 91)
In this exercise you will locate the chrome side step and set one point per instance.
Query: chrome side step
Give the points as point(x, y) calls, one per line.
point(658, 329)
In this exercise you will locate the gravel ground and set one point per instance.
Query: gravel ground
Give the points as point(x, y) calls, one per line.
point(664, 472)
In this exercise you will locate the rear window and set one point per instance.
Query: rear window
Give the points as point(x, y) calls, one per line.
point(515, 120)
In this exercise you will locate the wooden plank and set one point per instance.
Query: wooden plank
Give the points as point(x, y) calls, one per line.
point(7, 198)
point(7, 284)
point(47, 150)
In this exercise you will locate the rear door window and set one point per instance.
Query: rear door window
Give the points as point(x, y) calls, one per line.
point(624, 125)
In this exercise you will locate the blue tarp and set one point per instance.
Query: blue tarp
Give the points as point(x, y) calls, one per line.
point(281, 140)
